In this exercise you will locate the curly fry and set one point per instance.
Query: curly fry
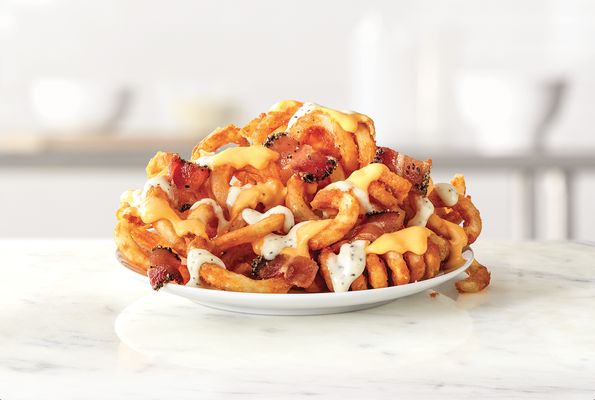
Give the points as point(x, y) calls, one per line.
point(249, 233)
point(219, 138)
point(399, 271)
point(223, 279)
point(297, 192)
point(478, 279)
point(348, 212)
point(416, 264)
point(377, 275)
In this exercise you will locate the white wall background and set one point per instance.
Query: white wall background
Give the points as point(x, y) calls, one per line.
point(253, 53)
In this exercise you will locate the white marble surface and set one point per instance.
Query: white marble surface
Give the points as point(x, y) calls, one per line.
point(73, 325)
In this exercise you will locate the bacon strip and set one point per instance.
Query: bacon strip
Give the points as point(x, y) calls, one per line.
point(187, 178)
point(298, 271)
point(164, 267)
point(376, 225)
point(415, 171)
point(301, 159)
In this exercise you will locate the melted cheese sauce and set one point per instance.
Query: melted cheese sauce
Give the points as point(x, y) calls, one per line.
point(196, 258)
point(222, 222)
point(366, 175)
point(154, 208)
point(413, 239)
point(295, 243)
point(160, 181)
point(252, 216)
point(269, 193)
point(361, 196)
point(307, 108)
point(457, 241)
point(151, 209)
point(347, 120)
point(239, 157)
point(233, 193)
point(425, 209)
point(447, 193)
point(348, 265)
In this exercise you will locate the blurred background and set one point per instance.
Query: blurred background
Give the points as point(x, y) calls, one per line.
point(503, 91)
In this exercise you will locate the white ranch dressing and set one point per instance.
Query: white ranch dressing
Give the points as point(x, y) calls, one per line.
point(447, 193)
point(360, 195)
point(252, 216)
point(348, 265)
point(136, 197)
point(196, 258)
point(306, 108)
point(160, 181)
point(222, 222)
point(425, 209)
point(205, 159)
point(273, 244)
point(233, 193)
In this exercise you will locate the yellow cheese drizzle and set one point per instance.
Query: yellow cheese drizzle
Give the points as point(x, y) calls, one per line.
point(413, 239)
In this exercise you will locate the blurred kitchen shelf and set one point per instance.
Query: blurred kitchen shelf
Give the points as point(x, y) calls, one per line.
point(86, 150)
point(132, 150)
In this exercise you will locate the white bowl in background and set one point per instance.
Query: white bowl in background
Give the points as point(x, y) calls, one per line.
point(77, 105)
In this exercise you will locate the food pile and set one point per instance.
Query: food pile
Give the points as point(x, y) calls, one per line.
point(299, 199)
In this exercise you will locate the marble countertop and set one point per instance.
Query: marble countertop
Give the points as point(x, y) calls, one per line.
point(74, 325)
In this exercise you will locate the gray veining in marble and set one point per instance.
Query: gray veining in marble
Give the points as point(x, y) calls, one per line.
point(73, 325)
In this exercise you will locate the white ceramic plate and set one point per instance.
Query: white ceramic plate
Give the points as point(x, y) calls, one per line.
point(303, 303)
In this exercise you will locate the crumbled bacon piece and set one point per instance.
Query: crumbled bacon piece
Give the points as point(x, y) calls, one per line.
point(302, 159)
point(375, 225)
point(312, 165)
point(415, 171)
point(164, 267)
point(297, 271)
point(187, 178)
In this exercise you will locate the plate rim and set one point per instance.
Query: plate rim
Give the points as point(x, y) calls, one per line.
point(206, 294)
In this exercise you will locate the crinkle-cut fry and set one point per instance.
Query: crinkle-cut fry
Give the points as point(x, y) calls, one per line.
point(348, 212)
point(381, 195)
point(458, 181)
point(223, 279)
point(297, 192)
point(400, 274)
point(219, 138)
point(159, 164)
point(416, 264)
point(360, 283)
point(323, 133)
point(129, 249)
point(219, 182)
point(249, 233)
point(478, 279)
point(366, 146)
point(377, 274)
point(432, 260)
